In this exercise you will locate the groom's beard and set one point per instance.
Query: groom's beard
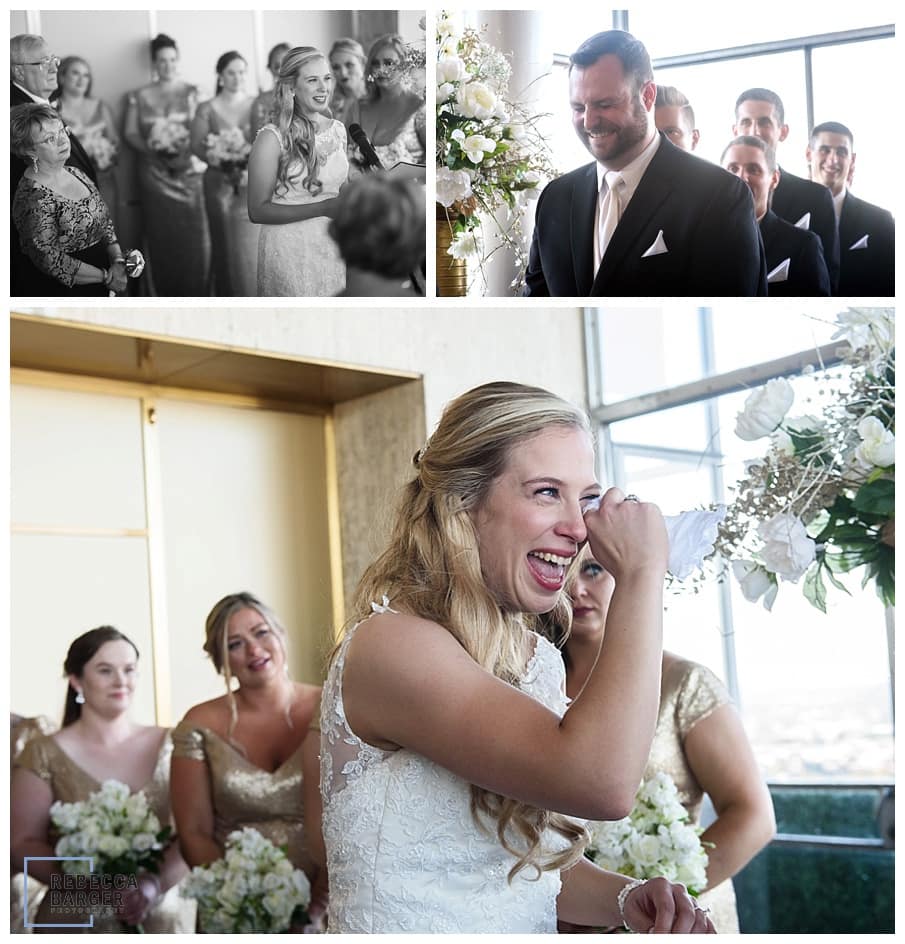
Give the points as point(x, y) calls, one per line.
point(625, 138)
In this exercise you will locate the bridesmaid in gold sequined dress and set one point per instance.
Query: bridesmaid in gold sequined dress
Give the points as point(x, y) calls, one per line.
point(246, 758)
point(699, 741)
point(98, 742)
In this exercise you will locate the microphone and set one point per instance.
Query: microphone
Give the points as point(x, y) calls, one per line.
point(372, 161)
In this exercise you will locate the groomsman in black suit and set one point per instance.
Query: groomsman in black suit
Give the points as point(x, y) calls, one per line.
point(760, 112)
point(33, 77)
point(795, 264)
point(867, 233)
point(644, 218)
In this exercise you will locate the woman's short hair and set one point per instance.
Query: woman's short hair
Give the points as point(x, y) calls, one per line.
point(66, 64)
point(25, 121)
point(81, 652)
point(162, 41)
point(379, 225)
point(351, 46)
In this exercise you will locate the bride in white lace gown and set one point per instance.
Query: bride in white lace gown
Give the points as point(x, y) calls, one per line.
point(296, 167)
point(445, 737)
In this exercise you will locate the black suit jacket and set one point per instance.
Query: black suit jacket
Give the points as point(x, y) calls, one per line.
point(25, 277)
point(703, 215)
point(871, 268)
point(793, 198)
point(805, 273)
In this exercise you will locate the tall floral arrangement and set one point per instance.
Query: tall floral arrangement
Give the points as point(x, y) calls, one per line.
point(821, 501)
point(490, 153)
point(656, 838)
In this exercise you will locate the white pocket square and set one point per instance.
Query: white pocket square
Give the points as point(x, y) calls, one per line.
point(860, 243)
point(657, 247)
point(780, 273)
point(805, 221)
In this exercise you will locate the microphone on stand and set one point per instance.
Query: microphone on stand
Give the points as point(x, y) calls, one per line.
point(372, 161)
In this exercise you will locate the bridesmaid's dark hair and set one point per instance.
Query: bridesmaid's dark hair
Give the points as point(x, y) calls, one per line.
point(81, 652)
point(162, 41)
point(224, 61)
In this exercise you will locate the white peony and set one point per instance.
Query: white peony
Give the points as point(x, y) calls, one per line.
point(476, 146)
point(787, 550)
point(452, 185)
point(878, 444)
point(445, 92)
point(476, 100)
point(755, 582)
point(764, 409)
point(450, 69)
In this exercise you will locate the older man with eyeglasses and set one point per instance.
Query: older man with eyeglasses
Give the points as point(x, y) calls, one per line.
point(33, 78)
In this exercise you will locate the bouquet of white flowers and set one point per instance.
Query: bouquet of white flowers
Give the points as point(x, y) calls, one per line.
point(656, 838)
point(821, 501)
point(168, 137)
point(228, 150)
point(252, 889)
point(101, 150)
point(114, 827)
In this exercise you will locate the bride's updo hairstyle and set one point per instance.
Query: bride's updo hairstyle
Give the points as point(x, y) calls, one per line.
point(216, 638)
point(432, 568)
point(297, 131)
point(81, 651)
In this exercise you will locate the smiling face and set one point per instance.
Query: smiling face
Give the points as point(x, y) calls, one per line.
point(232, 76)
point(76, 79)
point(50, 144)
point(108, 678)
point(758, 118)
point(254, 649)
point(529, 525)
point(590, 594)
point(750, 165)
point(347, 70)
point(313, 86)
point(611, 118)
point(166, 62)
point(831, 160)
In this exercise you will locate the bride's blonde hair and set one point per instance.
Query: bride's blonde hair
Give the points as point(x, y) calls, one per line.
point(432, 568)
point(297, 131)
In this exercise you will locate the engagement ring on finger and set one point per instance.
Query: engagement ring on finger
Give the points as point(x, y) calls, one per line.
point(632, 497)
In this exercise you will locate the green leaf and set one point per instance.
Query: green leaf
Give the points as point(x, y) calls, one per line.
point(814, 589)
point(877, 498)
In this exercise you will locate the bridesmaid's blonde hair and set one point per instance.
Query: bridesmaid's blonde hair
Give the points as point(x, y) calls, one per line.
point(432, 568)
point(297, 131)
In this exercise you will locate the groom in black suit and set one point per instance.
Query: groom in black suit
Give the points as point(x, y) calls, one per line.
point(33, 78)
point(682, 226)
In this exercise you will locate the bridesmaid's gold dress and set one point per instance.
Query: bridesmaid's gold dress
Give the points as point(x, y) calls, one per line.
point(70, 784)
point(689, 693)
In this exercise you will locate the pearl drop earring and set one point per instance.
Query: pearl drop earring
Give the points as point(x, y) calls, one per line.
point(79, 698)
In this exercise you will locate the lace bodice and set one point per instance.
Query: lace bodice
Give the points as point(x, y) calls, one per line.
point(406, 146)
point(333, 170)
point(404, 853)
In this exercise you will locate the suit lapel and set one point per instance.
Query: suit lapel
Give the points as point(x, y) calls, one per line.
point(583, 216)
point(653, 189)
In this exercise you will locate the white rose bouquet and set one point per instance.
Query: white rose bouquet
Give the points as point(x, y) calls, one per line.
point(115, 827)
point(490, 154)
point(228, 150)
point(101, 150)
point(252, 889)
point(168, 137)
point(821, 502)
point(655, 839)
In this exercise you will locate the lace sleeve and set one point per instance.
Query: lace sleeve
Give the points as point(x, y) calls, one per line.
point(34, 213)
point(188, 742)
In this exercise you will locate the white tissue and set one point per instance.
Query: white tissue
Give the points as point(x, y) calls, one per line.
point(691, 537)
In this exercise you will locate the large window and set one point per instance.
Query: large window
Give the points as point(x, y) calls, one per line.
point(817, 61)
point(814, 689)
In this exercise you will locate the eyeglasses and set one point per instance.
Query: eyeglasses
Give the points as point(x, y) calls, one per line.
point(44, 63)
point(57, 137)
